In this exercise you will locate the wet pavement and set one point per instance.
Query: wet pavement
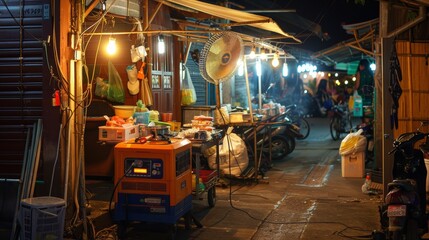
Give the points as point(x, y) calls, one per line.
point(302, 196)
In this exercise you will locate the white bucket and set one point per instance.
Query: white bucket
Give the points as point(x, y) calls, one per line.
point(427, 176)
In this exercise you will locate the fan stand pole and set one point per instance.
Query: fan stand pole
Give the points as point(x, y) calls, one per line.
point(217, 91)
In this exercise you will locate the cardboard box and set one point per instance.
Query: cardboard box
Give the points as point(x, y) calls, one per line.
point(236, 117)
point(118, 134)
point(353, 165)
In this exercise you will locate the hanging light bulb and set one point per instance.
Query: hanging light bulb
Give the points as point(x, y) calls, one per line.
point(111, 46)
point(103, 5)
point(240, 70)
point(263, 55)
point(275, 62)
point(252, 54)
point(258, 67)
point(285, 70)
point(161, 44)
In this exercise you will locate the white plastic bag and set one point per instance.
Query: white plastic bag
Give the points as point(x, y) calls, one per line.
point(353, 143)
point(233, 158)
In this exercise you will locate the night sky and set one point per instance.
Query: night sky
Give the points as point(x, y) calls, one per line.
point(329, 14)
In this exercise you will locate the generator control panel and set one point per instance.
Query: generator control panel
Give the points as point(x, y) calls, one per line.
point(144, 168)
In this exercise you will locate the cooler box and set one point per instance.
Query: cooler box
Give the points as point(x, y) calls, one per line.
point(118, 134)
point(353, 165)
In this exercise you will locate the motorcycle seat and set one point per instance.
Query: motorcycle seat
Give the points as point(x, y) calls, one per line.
point(406, 184)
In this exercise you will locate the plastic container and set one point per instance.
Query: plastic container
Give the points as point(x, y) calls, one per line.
point(42, 218)
point(141, 117)
point(124, 111)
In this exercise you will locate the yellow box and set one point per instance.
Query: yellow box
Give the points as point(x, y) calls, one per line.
point(353, 165)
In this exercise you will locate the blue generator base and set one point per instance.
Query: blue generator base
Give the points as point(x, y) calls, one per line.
point(150, 208)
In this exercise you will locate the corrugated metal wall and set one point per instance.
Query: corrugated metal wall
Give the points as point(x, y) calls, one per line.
point(21, 77)
point(200, 84)
point(414, 101)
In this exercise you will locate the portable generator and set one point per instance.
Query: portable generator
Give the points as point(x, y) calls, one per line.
point(154, 181)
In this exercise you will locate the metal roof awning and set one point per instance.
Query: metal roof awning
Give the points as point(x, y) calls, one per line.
point(353, 49)
point(237, 16)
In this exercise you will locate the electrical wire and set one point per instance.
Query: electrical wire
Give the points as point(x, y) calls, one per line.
point(56, 160)
point(116, 186)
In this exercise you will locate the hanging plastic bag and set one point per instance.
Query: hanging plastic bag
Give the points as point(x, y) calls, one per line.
point(353, 143)
point(357, 105)
point(115, 92)
point(189, 96)
point(140, 73)
point(101, 87)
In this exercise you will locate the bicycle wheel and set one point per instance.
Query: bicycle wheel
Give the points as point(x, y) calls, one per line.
point(335, 128)
point(304, 128)
point(349, 122)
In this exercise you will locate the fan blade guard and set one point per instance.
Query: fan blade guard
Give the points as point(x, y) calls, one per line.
point(219, 57)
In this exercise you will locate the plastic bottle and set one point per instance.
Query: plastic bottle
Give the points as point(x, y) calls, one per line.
point(367, 184)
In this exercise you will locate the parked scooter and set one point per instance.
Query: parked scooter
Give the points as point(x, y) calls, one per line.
point(296, 116)
point(403, 215)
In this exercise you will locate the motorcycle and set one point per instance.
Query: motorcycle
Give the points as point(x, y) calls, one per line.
point(403, 215)
point(296, 116)
point(275, 136)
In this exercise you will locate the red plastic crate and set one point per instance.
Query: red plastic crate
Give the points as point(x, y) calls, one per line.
point(207, 175)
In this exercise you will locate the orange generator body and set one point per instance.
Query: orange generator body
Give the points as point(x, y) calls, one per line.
point(153, 181)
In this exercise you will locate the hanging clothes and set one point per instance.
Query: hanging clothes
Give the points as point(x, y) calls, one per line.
point(394, 87)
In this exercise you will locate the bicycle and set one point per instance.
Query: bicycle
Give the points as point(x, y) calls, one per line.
point(341, 120)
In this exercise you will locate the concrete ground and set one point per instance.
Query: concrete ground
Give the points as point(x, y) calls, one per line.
point(303, 196)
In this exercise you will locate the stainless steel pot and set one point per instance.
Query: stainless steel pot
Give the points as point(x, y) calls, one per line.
point(158, 130)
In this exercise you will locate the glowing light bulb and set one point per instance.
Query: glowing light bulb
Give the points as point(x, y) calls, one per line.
point(111, 46)
point(337, 82)
point(372, 66)
point(161, 44)
point(263, 55)
point(354, 79)
point(285, 70)
point(252, 54)
point(275, 62)
point(258, 68)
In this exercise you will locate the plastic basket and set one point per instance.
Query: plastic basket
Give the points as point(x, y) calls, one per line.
point(42, 218)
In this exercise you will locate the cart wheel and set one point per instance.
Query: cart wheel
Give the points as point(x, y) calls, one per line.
point(211, 196)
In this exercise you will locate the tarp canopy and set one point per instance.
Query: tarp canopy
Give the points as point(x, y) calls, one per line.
point(237, 16)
